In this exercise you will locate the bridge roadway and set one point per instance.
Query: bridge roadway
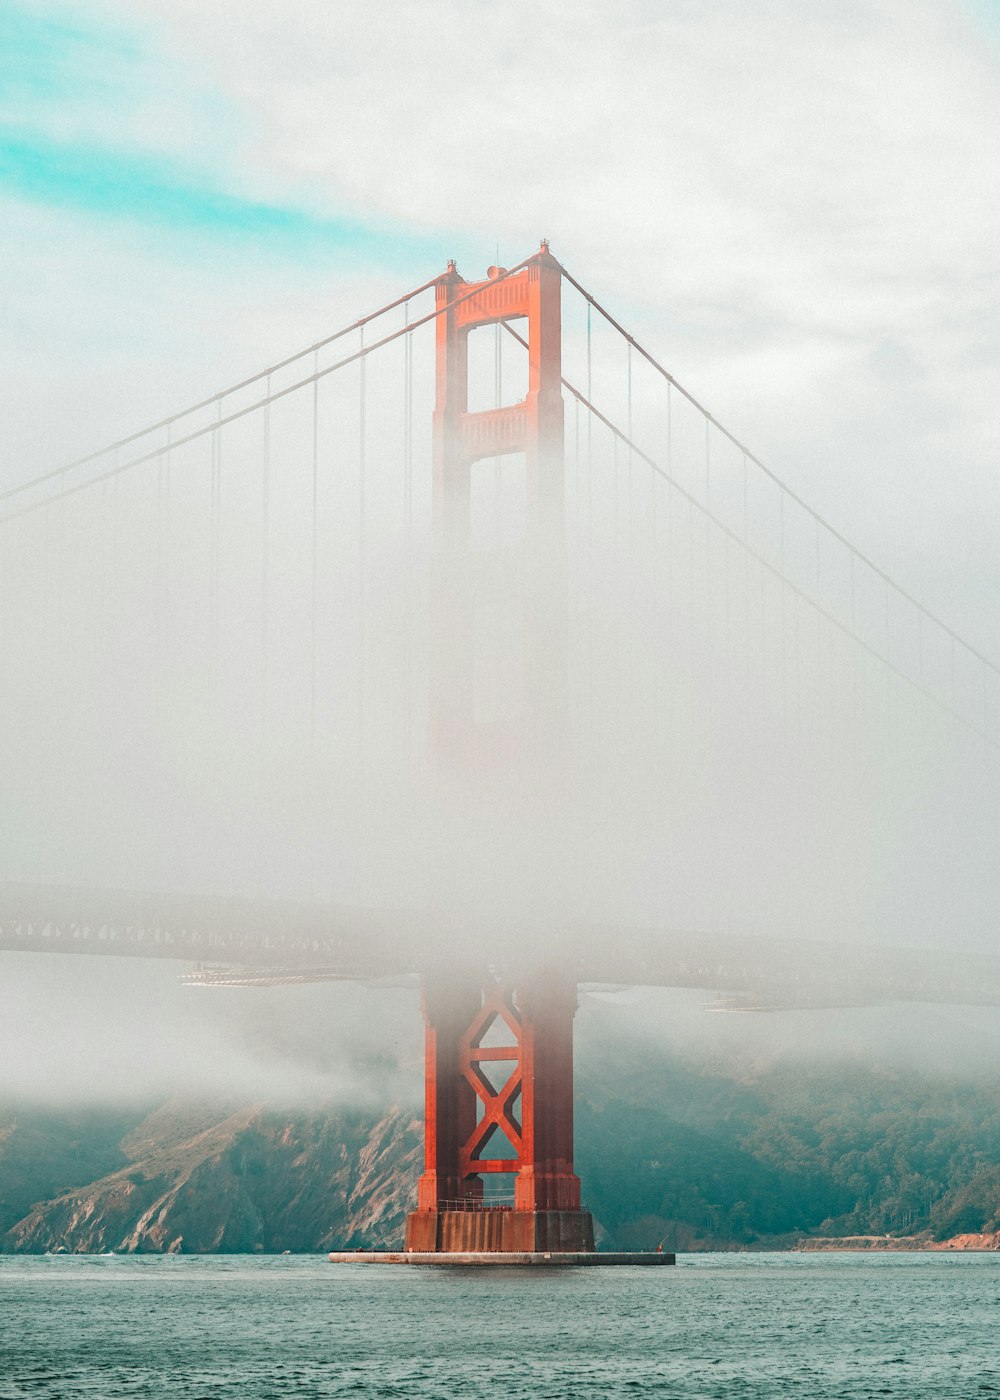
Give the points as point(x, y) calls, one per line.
point(241, 941)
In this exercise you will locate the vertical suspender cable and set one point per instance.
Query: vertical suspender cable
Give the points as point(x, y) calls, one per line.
point(781, 531)
point(109, 601)
point(265, 522)
point(746, 562)
point(670, 432)
point(164, 540)
point(215, 549)
point(407, 427)
point(574, 575)
point(158, 531)
point(819, 593)
point(314, 560)
point(799, 707)
point(497, 401)
point(727, 599)
point(114, 512)
point(590, 426)
point(763, 627)
point(362, 507)
point(615, 502)
point(576, 459)
point(854, 621)
point(591, 587)
point(746, 501)
point(163, 543)
point(671, 503)
point(408, 643)
point(628, 477)
point(708, 465)
point(920, 645)
point(629, 522)
point(782, 659)
point(60, 575)
point(708, 538)
point(888, 635)
point(670, 537)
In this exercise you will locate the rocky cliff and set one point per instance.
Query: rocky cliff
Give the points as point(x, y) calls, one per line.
point(895, 1243)
point(197, 1178)
point(732, 1155)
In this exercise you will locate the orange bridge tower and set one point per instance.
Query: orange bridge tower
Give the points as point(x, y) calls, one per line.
point(499, 1048)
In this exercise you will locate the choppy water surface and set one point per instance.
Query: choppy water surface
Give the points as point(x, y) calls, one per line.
point(760, 1325)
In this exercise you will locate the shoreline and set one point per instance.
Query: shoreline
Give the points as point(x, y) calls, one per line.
point(897, 1244)
point(847, 1244)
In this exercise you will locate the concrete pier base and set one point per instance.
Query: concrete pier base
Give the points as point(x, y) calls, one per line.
point(488, 1231)
point(508, 1258)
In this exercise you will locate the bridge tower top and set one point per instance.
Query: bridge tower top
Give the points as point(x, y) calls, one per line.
point(532, 1108)
point(535, 428)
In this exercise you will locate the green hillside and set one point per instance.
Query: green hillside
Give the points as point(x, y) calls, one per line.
point(705, 1157)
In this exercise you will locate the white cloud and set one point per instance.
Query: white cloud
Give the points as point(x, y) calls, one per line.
point(795, 205)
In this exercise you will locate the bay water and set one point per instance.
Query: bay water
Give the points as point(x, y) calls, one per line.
point(910, 1325)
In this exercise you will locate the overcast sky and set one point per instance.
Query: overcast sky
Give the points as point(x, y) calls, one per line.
point(795, 203)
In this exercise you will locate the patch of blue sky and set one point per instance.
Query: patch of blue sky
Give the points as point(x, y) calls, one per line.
point(61, 57)
point(986, 14)
point(125, 185)
point(76, 133)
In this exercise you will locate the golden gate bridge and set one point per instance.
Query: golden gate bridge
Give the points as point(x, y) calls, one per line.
point(442, 601)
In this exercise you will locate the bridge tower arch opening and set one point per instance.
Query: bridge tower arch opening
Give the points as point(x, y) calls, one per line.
point(531, 431)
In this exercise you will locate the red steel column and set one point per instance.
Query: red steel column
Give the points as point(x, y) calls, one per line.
point(449, 1008)
point(546, 659)
point(450, 1214)
point(546, 1180)
point(543, 407)
point(451, 698)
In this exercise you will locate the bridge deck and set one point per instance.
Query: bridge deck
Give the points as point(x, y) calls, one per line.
point(239, 941)
point(508, 1260)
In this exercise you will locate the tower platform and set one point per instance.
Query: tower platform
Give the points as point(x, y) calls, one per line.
point(480, 1229)
point(497, 1258)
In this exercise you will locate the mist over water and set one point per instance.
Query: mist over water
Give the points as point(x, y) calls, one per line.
point(224, 666)
point(677, 725)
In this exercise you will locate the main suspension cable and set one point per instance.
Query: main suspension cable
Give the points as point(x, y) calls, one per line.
point(217, 397)
point(773, 476)
point(772, 569)
point(239, 413)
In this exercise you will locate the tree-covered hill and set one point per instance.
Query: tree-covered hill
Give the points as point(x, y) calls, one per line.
point(705, 1156)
